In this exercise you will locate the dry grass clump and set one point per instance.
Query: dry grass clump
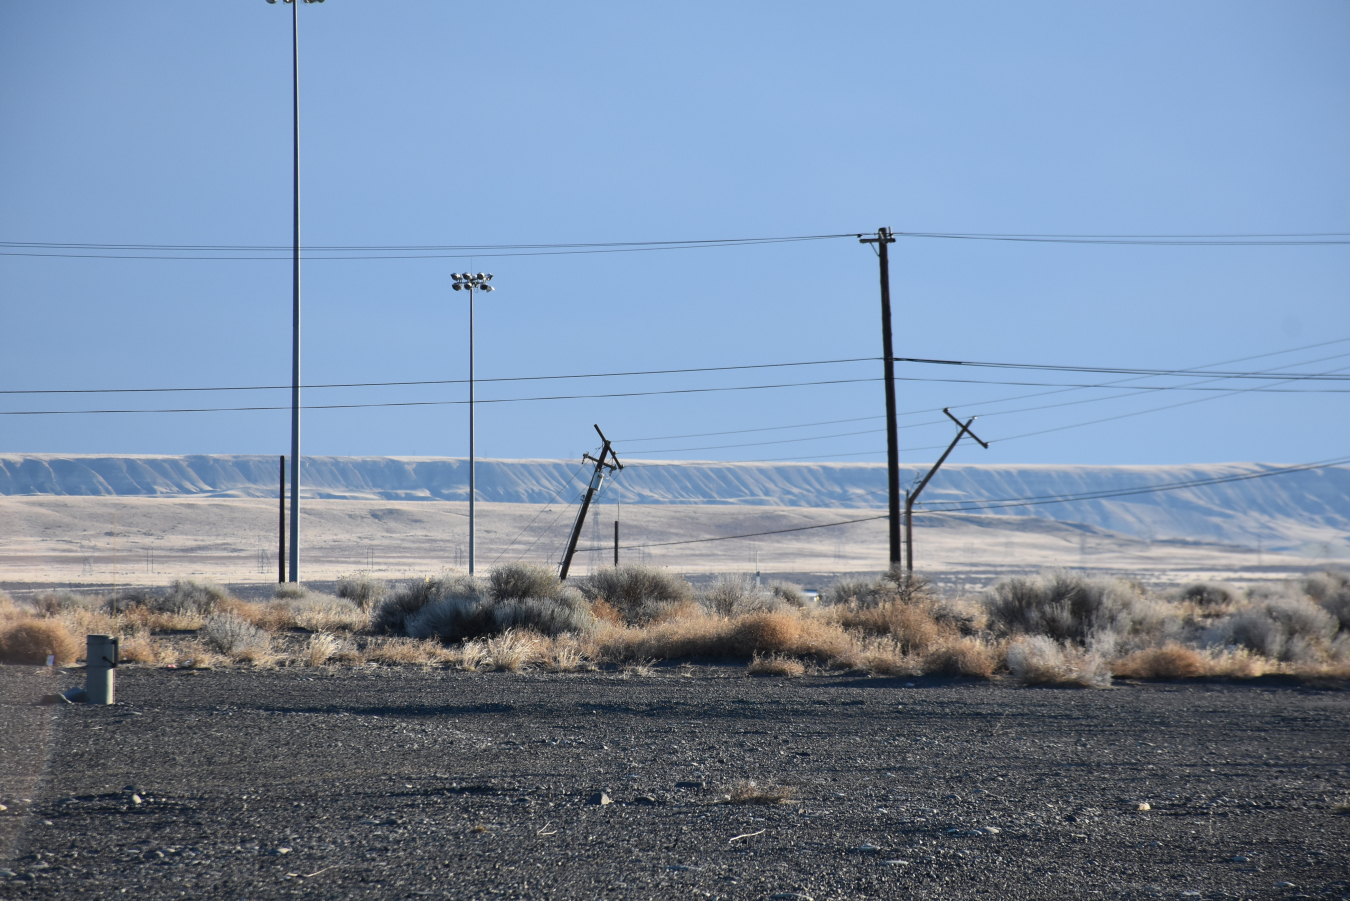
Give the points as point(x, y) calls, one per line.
point(636, 594)
point(290, 591)
point(1068, 607)
point(406, 652)
point(1171, 661)
point(234, 636)
point(1040, 660)
point(969, 657)
point(363, 590)
point(775, 665)
point(142, 649)
point(320, 649)
point(703, 635)
point(31, 640)
point(748, 791)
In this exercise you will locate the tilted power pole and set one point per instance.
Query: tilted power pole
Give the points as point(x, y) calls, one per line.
point(882, 240)
point(597, 478)
point(912, 496)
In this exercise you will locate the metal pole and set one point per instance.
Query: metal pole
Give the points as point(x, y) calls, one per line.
point(616, 542)
point(909, 532)
point(295, 325)
point(281, 524)
point(473, 483)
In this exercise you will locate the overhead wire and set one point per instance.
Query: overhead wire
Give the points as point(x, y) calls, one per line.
point(563, 487)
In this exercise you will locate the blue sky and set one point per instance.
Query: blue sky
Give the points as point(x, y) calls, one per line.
point(452, 124)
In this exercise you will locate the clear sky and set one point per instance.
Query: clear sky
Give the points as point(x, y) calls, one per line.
point(451, 124)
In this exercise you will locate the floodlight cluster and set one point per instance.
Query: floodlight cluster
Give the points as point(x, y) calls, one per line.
point(468, 281)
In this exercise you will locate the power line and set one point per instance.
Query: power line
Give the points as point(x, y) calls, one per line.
point(443, 403)
point(1270, 240)
point(824, 525)
point(262, 252)
point(1113, 371)
point(514, 378)
point(1037, 500)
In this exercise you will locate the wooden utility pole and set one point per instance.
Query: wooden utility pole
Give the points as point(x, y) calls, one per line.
point(963, 428)
point(882, 240)
point(597, 478)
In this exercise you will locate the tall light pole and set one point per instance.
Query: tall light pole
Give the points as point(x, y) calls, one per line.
point(468, 281)
point(295, 305)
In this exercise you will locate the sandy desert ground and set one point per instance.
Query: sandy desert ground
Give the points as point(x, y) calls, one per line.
point(100, 541)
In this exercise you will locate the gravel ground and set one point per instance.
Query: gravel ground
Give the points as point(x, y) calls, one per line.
point(391, 783)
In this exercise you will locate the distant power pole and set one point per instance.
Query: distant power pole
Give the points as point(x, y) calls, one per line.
point(882, 240)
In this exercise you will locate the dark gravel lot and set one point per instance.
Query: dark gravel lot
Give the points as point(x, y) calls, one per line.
point(391, 783)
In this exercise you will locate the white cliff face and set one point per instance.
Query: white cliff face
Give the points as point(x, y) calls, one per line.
point(1285, 510)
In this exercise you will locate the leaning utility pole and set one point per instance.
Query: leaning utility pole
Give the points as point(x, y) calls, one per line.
point(597, 478)
point(912, 496)
point(883, 238)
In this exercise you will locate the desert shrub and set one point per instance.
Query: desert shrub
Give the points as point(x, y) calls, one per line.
point(1281, 628)
point(789, 593)
point(775, 665)
point(850, 591)
point(31, 640)
point(517, 581)
point(1171, 661)
point(61, 600)
point(638, 594)
point(188, 597)
point(410, 597)
point(962, 657)
point(452, 618)
point(233, 635)
point(1330, 590)
point(362, 590)
point(1206, 594)
point(289, 591)
point(568, 612)
point(733, 595)
point(325, 613)
point(1065, 606)
point(1040, 660)
point(913, 626)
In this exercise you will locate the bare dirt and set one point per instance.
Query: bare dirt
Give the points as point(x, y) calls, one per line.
point(392, 783)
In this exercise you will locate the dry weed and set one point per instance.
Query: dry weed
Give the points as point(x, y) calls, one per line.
point(1171, 661)
point(750, 792)
point(1040, 660)
point(142, 649)
point(963, 657)
point(776, 665)
point(512, 651)
point(406, 652)
point(321, 649)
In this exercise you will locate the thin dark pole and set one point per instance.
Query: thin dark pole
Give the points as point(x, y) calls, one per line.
point(281, 525)
point(295, 324)
point(616, 542)
point(473, 480)
point(892, 441)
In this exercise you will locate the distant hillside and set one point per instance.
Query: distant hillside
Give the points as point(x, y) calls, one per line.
point(1283, 511)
